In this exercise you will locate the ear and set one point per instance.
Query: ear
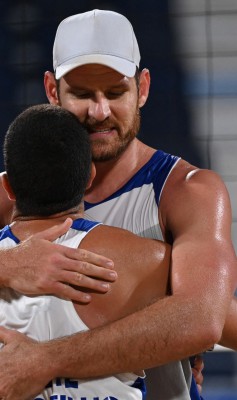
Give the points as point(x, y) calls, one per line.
point(7, 186)
point(92, 176)
point(144, 86)
point(51, 88)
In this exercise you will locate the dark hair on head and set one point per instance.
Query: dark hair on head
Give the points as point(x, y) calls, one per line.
point(48, 160)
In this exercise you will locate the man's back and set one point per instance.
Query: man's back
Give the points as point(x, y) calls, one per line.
point(142, 266)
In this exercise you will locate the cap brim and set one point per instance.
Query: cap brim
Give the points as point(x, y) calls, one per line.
point(124, 67)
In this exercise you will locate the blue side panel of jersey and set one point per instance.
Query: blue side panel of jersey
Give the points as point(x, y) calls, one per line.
point(194, 394)
point(84, 225)
point(154, 171)
point(7, 233)
point(161, 170)
point(140, 384)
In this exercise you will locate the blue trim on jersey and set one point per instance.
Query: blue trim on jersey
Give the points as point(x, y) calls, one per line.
point(154, 171)
point(79, 224)
point(6, 232)
point(194, 394)
point(140, 384)
point(84, 225)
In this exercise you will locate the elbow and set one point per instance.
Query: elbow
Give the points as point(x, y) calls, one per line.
point(214, 333)
point(211, 332)
point(210, 320)
point(207, 324)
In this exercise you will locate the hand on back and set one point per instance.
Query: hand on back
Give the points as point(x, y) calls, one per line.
point(38, 266)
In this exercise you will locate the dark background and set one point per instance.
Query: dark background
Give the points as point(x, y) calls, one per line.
point(27, 31)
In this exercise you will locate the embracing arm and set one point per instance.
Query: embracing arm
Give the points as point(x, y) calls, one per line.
point(203, 282)
point(189, 322)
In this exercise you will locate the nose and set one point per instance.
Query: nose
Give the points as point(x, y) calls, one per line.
point(99, 108)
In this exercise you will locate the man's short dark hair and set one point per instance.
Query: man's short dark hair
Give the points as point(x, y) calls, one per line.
point(48, 160)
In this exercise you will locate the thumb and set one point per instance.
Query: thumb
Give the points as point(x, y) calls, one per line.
point(55, 231)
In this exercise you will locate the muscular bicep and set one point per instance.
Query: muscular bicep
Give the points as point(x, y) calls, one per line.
point(203, 258)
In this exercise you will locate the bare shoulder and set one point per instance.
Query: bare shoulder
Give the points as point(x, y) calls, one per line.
point(191, 193)
point(184, 172)
point(109, 241)
point(142, 264)
point(187, 179)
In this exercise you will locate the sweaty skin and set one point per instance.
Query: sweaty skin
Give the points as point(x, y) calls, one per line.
point(142, 266)
point(37, 266)
point(195, 217)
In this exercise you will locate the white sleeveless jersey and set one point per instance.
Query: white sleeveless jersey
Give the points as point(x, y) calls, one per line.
point(135, 207)
point(48, 317)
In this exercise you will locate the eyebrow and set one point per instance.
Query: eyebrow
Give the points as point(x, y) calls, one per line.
point(115, 86)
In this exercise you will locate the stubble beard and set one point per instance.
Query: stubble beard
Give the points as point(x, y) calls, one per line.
point(102, 151)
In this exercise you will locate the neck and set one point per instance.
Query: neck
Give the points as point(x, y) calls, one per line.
point(74, 213)
point(112, 175)
point(25, 226)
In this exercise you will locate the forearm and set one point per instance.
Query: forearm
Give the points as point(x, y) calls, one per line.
point(229, 334)
point(6, 267)
point(158, 335)
point(161, 333)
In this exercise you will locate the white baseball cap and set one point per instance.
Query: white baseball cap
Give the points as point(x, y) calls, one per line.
point(96, 37)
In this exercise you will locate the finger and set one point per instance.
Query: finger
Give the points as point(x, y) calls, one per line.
point(55, 231)
point(88, 256)
point(65, 291)
point(198, 376)
point(76, 270)
point(199, 388)
point(82, 281)
point(198, 363)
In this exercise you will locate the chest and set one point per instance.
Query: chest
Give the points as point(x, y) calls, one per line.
point(135, 210)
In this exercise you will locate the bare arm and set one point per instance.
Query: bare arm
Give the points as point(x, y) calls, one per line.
point(229, 334)
point(203, 280)
point(189, 322)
